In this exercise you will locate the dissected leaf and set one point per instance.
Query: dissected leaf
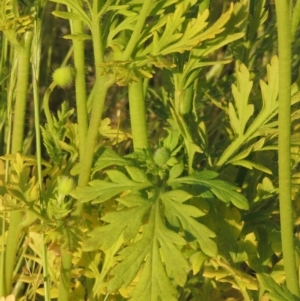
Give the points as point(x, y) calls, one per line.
point(275, 291)
point(126, 222)
point(224, 191)
point(258, 246)
point(228, 229)
point(108, 157)
point(145, 255)
point(239, 116)
point(181, 214)
point(100, 191)
point(224, 272)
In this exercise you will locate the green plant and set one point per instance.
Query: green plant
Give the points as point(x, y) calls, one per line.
point(176, 201)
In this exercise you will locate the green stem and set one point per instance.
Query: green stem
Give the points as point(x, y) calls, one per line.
point(101, 87)
point(143, 13)
point(138, 115)
point(86, 165)
point(80, 87)
point(86, 160)
point(48, 113)
point(17, 143)
point(296, 18)
point(92, 135)
point(65, 275)
point(3, 291)
point(35, 75)
point(135, 89)
point(284, 144)
point(21, 93)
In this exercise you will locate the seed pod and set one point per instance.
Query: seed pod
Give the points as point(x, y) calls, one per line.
point(63, 76)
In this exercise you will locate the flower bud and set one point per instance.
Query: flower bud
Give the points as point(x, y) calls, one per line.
point(65, 185)
point(63, 76)
point(161, 156)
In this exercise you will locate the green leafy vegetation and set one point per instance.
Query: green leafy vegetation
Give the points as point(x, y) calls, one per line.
point(149, 150)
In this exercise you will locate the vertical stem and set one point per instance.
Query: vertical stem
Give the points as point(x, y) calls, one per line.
point(65, 275)
point(8, 123)
point(135, 89)
point(80, 87)
point(36, 59)
point(17, 143)
point(21, 93)
point(92, 135)
point(101, 87)
point(284, 143)
point(88, 148)
point(138, 115)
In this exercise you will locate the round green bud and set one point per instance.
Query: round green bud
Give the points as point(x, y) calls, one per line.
point(65, 185)
point(161, 156)
point(63, 76)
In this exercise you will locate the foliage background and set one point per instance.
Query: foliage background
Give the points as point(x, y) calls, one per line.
point(192, 216)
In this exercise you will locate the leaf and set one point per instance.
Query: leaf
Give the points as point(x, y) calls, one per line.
point(239, 115)
point(250, 165)
point(197, 260)
point(115, 135)
point(176, 170)
point(137, 174)
point(259, 249)
point(78, 37)
point(77, 11)
point(124, 222)
point(276, 292)
point(228, 230)
point(131, 200)
point(108, 157)
point(154, 256)
point(224, 191)
point(179, 214)
point(100, 191)
point(66, 15)
point(227, 273)
point(243, 154)
point(191, 147)
point(173, 40)
point(169, 36)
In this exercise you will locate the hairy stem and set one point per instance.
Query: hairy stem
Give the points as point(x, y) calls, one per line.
point(101, 87)
point(17, 145)
point(88, 148)
point(80, 87)
point(138, 115)
point(284, 144)
point(35, 80)
point(135, 89)
point(48, 113)
point(65, 275)
point(21, 93)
